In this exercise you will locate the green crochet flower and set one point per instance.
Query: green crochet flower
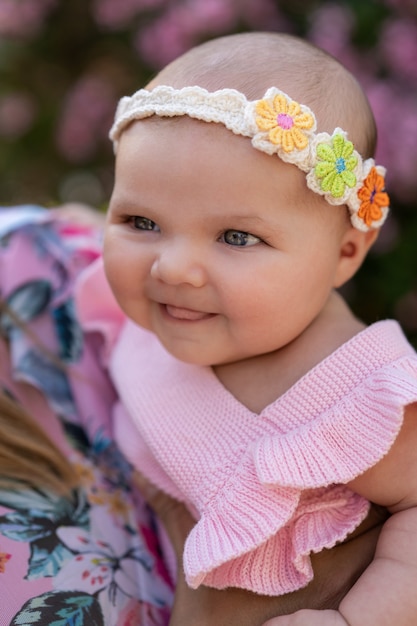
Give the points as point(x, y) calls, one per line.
point(335, 167)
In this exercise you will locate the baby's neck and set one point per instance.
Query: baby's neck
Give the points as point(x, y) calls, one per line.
point(260, 380)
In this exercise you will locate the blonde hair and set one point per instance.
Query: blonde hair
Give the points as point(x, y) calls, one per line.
point(27, 456)
point(252, 62)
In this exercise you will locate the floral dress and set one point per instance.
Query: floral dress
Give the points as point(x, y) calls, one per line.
point(91, 558)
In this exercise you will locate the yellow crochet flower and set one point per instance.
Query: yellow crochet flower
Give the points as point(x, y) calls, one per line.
point(335, 169)
point(285, 122)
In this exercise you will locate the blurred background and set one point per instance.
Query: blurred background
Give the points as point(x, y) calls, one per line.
point(65, 63)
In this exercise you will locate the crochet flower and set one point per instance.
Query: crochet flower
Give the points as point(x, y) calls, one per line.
point(336, 164)
point(285, 121)
point(373, 198)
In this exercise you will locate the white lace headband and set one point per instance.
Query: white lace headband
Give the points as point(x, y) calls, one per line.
point(276, 125)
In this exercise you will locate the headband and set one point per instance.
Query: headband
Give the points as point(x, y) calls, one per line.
point(277, 125)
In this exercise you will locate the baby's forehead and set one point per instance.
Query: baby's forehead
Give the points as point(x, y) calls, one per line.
point(188, 139)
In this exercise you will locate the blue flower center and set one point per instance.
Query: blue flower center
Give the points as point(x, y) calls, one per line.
point(340, 165)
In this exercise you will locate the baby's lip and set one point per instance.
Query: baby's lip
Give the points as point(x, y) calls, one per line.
point(182, 313)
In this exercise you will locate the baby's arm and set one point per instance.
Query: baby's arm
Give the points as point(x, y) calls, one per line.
point(385, 594)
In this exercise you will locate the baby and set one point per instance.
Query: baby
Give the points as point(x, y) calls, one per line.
point(245, 195)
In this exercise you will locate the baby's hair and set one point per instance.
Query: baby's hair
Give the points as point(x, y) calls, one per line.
point(253, 62)
point(28, 457)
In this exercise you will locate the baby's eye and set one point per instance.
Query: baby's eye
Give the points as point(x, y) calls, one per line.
point(144, 223)
point(239, 238)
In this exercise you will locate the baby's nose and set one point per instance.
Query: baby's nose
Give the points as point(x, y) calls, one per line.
point(179, 263)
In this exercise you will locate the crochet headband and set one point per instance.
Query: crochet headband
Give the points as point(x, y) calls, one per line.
point(277, 125)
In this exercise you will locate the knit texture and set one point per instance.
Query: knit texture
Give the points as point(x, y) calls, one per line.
point(267, 489)
point(263, 485)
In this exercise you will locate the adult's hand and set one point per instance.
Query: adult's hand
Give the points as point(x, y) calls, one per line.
point(336, 570)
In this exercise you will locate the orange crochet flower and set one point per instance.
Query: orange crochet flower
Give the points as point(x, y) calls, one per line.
point(373, 198)
point(285, 121)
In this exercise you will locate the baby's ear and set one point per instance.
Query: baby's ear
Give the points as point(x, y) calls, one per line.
point(354, 247)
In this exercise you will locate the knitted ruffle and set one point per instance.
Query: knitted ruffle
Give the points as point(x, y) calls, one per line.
point(332, 450)
point(276, 521)
point(269, 489)
point(261, 538)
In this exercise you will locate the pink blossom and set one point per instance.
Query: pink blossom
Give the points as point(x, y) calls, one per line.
point(162, 41)
point(331, 27)
point(408, 6)
point(262, 15)
point(398, 44)
point(117, 14)
point(24, 18)
point(86, 118)
point(396, 115)
point(17, 112)
point(209, 16)
point(183, 25)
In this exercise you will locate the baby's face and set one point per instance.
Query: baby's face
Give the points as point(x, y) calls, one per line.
point(217, 248)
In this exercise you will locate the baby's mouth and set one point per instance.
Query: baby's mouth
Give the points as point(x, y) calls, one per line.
point(188, 315)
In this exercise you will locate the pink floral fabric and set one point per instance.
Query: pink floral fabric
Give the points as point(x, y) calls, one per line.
point(92, 558)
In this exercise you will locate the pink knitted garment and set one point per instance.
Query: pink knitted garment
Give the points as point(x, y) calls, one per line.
point(267, 489)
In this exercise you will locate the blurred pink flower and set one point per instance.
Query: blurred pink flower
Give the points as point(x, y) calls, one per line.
point(117, 14)
point(209, 16)
point(331, 27)
point(161, 41)
point(262, 15)
point(86, 118)
point(24, 18)
point(17, 112)
point(396, 115)
point(185, 23)
point(409, 6)
point(398, 44)
point(181, 26)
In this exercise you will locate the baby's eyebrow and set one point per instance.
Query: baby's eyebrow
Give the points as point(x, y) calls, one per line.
point(118, 203)
point(235, 220)
point(244, 218)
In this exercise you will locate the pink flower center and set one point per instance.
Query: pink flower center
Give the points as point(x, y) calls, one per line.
point(285, 121)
